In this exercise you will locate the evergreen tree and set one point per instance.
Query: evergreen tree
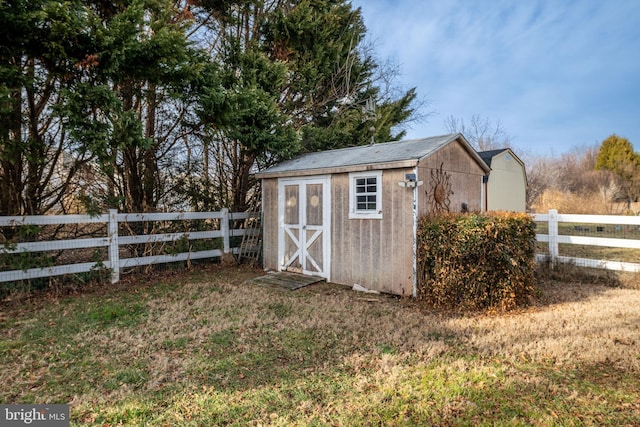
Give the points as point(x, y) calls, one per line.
point(297, 77)
point(140, 97)
point(118, 104)
point(332, 76)
point(616, 154)
point(44, 47)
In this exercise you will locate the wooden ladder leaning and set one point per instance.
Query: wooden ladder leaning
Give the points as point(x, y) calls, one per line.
point(251, 246)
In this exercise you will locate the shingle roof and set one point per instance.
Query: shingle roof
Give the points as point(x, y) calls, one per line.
point(388, 152)
point(487, 156)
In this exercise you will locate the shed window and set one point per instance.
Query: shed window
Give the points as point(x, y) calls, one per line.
point(365, 195)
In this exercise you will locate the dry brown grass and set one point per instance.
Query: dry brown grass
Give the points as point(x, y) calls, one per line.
point(218, 342)
point(580, 323)
point(570, 203)
point(571, 323)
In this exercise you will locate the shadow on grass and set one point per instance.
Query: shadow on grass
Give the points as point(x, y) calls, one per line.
point(448, 390)
point(565, 283)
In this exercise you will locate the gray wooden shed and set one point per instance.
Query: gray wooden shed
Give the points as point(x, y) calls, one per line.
point(350, 215)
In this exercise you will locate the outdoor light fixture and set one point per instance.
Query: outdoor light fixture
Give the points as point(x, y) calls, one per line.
point(410, 181)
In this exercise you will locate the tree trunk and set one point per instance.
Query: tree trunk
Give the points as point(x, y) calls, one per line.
point(150, 172)
point(243, 181)
point(11, 187)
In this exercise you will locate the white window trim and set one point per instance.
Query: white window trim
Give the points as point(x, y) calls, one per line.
point(353, 212)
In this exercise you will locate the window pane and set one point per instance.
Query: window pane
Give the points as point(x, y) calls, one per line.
point(314, 204)
point(366, 185)
point(291, 212)
point(365, 191)
point(371, 203)
point(367, 203)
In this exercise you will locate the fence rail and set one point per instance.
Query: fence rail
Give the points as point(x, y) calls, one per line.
point(113, 241)
point(554, 238)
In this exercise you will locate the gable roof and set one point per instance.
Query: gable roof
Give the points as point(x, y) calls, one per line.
point(487, 156)
point(386, 155)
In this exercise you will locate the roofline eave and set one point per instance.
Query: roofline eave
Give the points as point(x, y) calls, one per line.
point(410, 163)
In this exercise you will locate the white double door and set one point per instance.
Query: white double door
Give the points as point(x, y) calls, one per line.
point(304, 225)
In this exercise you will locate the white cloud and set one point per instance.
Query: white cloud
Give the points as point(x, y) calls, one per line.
point(543, 68)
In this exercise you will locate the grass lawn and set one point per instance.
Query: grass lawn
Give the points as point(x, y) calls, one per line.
point(206, 348)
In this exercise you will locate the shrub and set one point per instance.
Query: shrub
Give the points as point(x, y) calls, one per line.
point(476, 261)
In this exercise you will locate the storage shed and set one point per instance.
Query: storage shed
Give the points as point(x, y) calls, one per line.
point(507, 183)
point(350, 215)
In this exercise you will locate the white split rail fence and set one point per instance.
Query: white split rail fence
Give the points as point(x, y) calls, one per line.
point(113, 241)
point(553, 238)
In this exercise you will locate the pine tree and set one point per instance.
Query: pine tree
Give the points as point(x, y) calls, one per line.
point(141, 96)
point(332, 76)
point(297, 76)
point(44, 46)
point(616, 154)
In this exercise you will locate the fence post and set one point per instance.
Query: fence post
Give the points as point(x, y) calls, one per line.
point(224, 227)
point(114, 255)
point(553, 236)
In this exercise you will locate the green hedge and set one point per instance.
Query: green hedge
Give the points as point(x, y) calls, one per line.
point(476, 261)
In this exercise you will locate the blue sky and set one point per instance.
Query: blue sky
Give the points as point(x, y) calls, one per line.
point(559, 75)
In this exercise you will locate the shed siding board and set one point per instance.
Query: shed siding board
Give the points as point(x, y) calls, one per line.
point(507, 187)
point(270, 223)
point(387, 248)
point(398, 234)
point(465, 176)
point(375, 253)
point(339, 251)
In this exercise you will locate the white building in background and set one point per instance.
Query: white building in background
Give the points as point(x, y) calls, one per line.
point(506, 188)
